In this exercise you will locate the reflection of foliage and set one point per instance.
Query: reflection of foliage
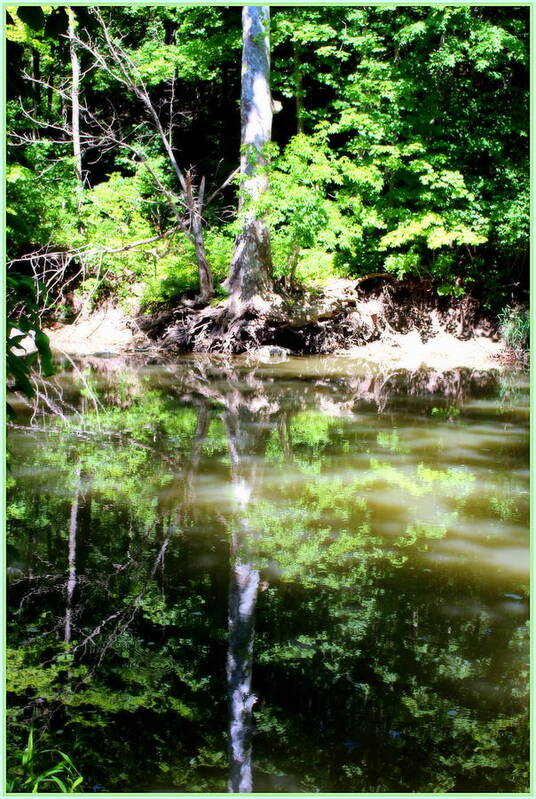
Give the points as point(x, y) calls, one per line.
point(409, 681)
point(423, 480)
point(510, 390)
point(141, 646)
point(363, 657)
point(391, 441)
point(299, 537)
point(504, 508)
point(449, 413)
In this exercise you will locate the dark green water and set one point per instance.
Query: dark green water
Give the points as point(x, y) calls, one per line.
point(323, 565)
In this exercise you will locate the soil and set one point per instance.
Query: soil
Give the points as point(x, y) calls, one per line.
point(106, 329)
point(378, 319)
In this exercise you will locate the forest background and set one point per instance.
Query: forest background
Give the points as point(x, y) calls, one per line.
point(401, 146)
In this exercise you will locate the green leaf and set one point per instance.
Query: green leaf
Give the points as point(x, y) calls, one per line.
point(42, 343)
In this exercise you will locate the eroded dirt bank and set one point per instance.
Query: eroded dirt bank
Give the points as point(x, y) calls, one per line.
point(377, 319)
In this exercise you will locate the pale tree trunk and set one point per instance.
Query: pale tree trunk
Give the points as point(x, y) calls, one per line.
point(195, 206)
point(250, 277)
point(75, 98)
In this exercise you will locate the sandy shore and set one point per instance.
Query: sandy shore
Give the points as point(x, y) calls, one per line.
point(110, 331)
point(106, 330)
point(442, 352)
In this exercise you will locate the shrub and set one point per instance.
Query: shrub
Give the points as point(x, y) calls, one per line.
point(514, 327)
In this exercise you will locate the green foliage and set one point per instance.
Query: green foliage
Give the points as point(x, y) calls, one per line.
point(376, 165)
point(27, 772)
point(415, 163)
point(296, 204)
point(33, 17)
point(202, 41)
point(402, 146)
point(41, 200)
point(515, 327)
point(22, 321)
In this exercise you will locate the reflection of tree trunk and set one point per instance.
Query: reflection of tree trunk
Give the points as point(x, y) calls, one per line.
point(284, 437)
point(245, 440)
point(243, 591)
point(71, 573)
point(31, 543)
point(249, 419)
point(201, 430)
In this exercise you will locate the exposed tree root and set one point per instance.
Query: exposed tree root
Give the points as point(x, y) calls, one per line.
point(344, 313)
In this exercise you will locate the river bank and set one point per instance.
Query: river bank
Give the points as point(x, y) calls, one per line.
point(405, 324)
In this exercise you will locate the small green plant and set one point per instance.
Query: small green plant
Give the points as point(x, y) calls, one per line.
point(28, 775)
point(514, 327)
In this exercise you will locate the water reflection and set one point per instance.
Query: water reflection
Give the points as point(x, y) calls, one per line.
point(244, 441)
point(351, 544)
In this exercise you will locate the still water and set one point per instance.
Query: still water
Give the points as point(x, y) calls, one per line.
point(300, 577)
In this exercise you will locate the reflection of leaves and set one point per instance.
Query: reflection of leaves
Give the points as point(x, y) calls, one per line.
point(420, 531)
point(345, 622)
point(449, 413)
point(310, 535)
point(36, 680)
point(504, 508)
point(423, 480)
point(391, 441)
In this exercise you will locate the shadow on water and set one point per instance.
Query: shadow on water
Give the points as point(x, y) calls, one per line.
point(309, 576)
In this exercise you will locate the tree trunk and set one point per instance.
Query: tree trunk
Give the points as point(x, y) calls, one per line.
point(75, 98)
point(37, 80)
point(298, 88)
point(250, 276)
point(195, 208)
